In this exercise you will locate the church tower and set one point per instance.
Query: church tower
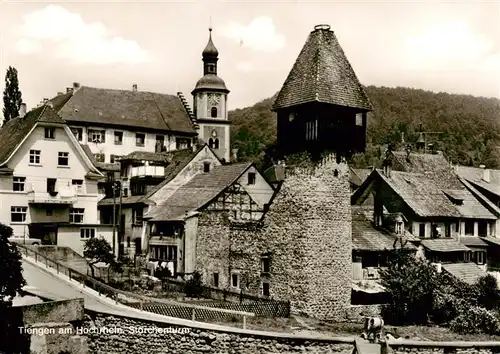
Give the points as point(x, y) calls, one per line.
point(210, 104)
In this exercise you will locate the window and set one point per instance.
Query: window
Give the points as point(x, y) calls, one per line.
point(51, 185)
point(164, 253)
point(482, 228)
point(128, 242)
point(125, 192)
point(48, 211)
point(78, 183)
point(50, 133)
point(235, 280)
point(480, 257)
point(18, 184)
point(112, 158)
point(216, 280)
point(97, 136)
point(421, 230)
point(118, 138)
point(182, 143)
point(78, 133)
point(99, 157)
point(359, 119)
point(206, 167)
point(76, 215)
point(216, 143)
point(87, 233)
point(63, 159)
point(18, 214)
point(213, 143)
point(457, 227)
point(469, 227)
point(266, 265)
point(140, 139)
point(213, 112)
point(265, 289)
point(35, 157)
point(137, 215)
point(312, 130)
point(251, 177)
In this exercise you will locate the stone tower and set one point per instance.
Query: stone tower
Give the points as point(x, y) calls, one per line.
point(210, 104)
point(321, 110)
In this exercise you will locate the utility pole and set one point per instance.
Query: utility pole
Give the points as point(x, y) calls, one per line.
point(112, 174)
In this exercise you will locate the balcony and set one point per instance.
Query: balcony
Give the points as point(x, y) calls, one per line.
point(143, 171)
point(62, 196)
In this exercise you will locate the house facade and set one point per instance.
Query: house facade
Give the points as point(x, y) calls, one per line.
point(49, 186)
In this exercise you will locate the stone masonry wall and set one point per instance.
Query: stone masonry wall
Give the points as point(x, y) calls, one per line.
point(126, 336)
point(307, 232)
point(443, 348)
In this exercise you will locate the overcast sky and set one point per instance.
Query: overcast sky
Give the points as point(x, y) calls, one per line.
point(438, 46)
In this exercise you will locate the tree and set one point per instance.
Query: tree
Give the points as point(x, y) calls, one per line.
point(488, 296)
point(411, 283)
point(96, 250)
point(11, 283)
point(12, 97)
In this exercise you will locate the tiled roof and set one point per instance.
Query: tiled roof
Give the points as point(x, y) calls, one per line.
point(147, 156)
point(473, 241)
point(433, 166)
point(470, 207)
point(421, 194)
point(466, 272)
point(134, 199)
point(15, 130)
point(444, 245)
point(138, 109)
point(366, 237)
point(476, 174)
point(492, 240)
point(211, 82)
point(179, 160)
point(196, 193)
point(322, 73)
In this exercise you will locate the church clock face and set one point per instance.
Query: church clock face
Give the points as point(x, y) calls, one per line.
point(213, 99)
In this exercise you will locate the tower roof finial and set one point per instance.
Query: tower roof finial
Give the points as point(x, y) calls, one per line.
point(210, 50)
point(210, 24)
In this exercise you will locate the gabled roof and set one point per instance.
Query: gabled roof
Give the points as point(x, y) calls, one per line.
point(322, 73)
point(473, 241)
point(367, 237)
point(15, 130)
point(138, 109)
point(198, 192)
point(476, 174)
point(466, 272)
point(433, 166)
point(447, 244)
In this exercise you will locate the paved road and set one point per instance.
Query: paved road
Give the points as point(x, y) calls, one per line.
point(58, 289)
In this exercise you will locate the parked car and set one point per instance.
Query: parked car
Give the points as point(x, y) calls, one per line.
point(25, 240)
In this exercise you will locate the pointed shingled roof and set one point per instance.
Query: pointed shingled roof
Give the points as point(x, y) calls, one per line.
point(15, 130)
point(322, 73)
point(210, 50)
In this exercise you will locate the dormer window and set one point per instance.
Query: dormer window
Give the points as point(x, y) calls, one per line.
point(399, 227)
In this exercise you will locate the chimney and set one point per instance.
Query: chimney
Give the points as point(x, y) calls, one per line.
point(69, 89)
point(22, 110)
point(76, 86)
point(486, 173)
point(59, 93)
point(234, 154)
point(134, 87)
point(45, 100)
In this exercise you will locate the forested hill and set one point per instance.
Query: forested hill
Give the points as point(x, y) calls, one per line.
point(469, 126)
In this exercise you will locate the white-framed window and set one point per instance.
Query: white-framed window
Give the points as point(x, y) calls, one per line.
point(78, 183)
point(86, 233)
point(118, 138)
point(18, 184)
point(78, 133)
point(480, 257)
point(76, 215)
point(100, 157)
point(399, 227)
point(63, 159)
point(50, 133)
point(182, 143)
point(265, 288)
point(235, 280)
point(312, 130)
point(97, 136)
point(140, 139)
point(18, 213)
point(35, 157)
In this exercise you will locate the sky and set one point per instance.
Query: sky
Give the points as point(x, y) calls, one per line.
point(439, 46)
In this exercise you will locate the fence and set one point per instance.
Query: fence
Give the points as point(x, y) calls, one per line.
point(154, 305)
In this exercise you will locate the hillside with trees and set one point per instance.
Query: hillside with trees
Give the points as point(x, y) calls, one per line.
point(467, 127)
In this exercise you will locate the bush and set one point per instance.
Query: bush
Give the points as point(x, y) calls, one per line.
point(487, 292)
point(193, 287)
point(475, 320)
